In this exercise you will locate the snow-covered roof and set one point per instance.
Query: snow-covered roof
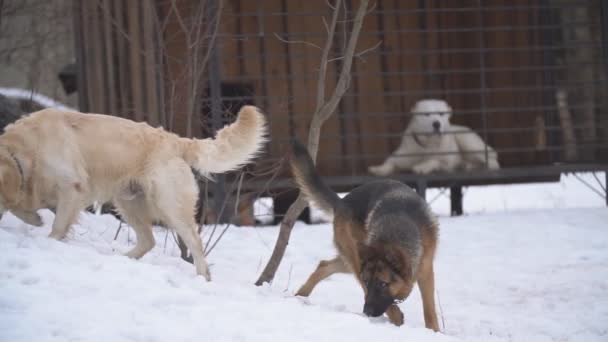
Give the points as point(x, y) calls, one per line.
point(26, 94)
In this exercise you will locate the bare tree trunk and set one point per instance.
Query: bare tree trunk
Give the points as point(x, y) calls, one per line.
point(324, 110)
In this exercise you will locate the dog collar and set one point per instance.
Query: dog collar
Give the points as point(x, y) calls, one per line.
point(19, 167)
point(417, 140)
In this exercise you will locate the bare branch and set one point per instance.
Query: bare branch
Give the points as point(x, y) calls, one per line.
point(240, 184)
point(342, 85)
point(325, 25)
point(297, 42)
point(359, 54)
point(322, 113)
point(213, 34)
point(118, 230)
point(330, 6)
point(323, 66)
point(178, 16)
point(238, 192)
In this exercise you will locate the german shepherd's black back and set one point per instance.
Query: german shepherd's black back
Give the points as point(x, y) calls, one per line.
point(385, 235)
point(390, 210)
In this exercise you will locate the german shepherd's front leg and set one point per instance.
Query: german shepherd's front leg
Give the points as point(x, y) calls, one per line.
point(426, 283)
point(324, 270)
point(395, 315)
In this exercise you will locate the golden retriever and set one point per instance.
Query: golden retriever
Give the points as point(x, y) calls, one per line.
point(67, 160)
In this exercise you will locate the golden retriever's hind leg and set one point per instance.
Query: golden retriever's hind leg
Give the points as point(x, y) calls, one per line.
point(324, 270)
point(188, 233)
point(176, 193)
point(426, 283)
point(137, 216)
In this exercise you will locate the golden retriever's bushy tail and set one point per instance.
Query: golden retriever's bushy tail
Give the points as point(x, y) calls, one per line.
point(233, 146)
point(309, 182)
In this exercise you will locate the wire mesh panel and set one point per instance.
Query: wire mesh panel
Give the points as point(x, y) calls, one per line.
point(527, 76)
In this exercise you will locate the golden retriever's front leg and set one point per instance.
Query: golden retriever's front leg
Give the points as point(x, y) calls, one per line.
point(29, 217)
point(395, 315)
point(324, 270)
point(68, 207)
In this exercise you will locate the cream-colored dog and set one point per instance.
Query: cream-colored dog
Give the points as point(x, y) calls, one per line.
point(431, 143)
point(68, 160)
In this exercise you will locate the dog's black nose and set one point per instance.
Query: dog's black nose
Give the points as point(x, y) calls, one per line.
point(436, 126)
point(369, 311)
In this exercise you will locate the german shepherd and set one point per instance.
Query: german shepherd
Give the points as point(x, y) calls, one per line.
point(385, 235)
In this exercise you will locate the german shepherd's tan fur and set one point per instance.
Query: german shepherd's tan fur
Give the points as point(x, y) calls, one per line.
point(385, 235)
point(68, 160)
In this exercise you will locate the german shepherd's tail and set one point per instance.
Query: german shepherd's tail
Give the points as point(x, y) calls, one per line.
point(309, 182)
point(232, 147)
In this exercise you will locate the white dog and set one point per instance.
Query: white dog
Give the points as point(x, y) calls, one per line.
point(68, 160)
point(430, 143)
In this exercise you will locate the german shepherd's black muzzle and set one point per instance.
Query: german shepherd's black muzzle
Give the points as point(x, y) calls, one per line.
point(378, 299)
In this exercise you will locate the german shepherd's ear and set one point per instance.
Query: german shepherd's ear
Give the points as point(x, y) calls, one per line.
point(365, 252)
point(371, 252)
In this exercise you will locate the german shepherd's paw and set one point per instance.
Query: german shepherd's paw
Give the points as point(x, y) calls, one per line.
point(395, 315)
point(304, 300)
point(303, 292)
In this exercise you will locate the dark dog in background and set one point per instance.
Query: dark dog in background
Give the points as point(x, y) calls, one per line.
point(239, 214)
point(239, 210)
point(385, 235)
point(9, 112)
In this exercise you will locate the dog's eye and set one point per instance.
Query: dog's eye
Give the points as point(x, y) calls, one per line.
point(383, 284)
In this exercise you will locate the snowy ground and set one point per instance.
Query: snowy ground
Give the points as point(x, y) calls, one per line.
point(502, 274)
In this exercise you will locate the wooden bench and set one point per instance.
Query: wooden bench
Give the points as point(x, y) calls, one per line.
point(454, 181)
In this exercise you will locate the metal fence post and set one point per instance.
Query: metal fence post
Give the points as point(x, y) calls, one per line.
point(218, 188)
point(421, 188)
point(456, 200)
point(80, 53)
point(604, 20)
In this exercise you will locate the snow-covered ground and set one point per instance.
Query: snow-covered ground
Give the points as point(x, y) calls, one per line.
point(529, 263)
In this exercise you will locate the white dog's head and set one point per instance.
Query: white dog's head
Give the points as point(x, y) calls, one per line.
point(430, 116)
